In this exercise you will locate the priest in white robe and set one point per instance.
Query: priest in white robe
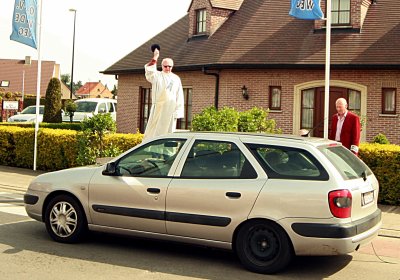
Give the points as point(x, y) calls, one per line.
point(166, 95)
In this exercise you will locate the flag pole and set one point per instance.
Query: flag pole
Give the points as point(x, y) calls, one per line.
point(327, 65)
point(39, 28)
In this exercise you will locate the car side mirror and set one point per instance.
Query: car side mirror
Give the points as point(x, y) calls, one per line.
point(110, 169)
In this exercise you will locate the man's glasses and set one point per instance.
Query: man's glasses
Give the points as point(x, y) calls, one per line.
point(166, 66)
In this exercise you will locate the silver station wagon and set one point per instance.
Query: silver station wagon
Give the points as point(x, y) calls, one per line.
point(266, 197)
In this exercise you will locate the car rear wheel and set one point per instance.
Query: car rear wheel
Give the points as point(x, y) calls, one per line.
point(64, 219)
point(263, 247)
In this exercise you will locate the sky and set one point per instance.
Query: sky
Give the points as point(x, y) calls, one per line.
point(105, 32)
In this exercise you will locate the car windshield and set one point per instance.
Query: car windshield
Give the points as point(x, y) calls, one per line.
point(348, 165)
point(32, 110)
point(86, 106)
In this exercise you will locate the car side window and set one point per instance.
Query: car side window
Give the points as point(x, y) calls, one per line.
point(102, 108)
point(110, 107)
point(152, 160)
point(288, 163)
point(218, 160)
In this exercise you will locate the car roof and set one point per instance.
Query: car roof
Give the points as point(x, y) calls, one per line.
point(34, 106)
point(96, 100)
point(316, 141)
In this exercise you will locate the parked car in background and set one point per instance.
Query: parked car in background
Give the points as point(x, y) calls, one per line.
point(267, 197)
point(28, 115)
point(88, 107)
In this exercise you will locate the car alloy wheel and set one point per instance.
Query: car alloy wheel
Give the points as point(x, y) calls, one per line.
point(65, 221)
point(263, 247)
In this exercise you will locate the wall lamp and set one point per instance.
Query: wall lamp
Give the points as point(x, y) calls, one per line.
point(245, 92)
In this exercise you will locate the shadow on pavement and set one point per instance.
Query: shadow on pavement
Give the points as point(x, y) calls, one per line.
point(158, 256)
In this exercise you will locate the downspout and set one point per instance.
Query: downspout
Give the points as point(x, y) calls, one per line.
point(216, 75)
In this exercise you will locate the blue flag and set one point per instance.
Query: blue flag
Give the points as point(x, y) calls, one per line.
point(24, 22)
point(306, 9)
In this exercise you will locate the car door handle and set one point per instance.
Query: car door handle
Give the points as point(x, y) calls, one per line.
point(233, 194)
point(154, 190)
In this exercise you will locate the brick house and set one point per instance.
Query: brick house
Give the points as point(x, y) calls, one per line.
point(224, 48)
point(93, 90)
point(22, 75)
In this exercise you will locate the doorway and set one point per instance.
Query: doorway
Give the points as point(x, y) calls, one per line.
point(313, 109)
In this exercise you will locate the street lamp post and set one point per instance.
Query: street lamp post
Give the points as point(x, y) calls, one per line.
point(73, 51)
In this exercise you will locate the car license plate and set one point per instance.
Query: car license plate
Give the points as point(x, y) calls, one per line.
point(367, 198)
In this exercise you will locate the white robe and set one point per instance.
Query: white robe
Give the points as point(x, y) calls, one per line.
point(167, 102)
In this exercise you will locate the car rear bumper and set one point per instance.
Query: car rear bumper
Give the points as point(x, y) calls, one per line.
point(338, 230)
point(334, 239)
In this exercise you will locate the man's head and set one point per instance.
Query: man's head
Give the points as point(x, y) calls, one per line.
point(167, 65)
point(341, 106)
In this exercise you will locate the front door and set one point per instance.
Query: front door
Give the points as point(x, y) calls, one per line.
point(313, 108)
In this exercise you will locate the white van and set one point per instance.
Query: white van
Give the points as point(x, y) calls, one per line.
point(88, 107)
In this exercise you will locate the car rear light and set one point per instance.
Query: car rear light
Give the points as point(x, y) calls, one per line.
point(340, 203)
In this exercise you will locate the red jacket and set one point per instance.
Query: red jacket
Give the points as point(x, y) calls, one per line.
point(350, 134)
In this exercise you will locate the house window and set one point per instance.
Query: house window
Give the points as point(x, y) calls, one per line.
point(201, 20)
point(388, 101)
point(275, 97)
point(354, 101)
point(340, 12)
point(186, 122)
point(145, 105)
point(307, 109)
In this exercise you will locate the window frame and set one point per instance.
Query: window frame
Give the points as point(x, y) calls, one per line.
point(271, 90)
point(340, 11)
point(201, 21)
point(144, 102)
point(187, 91)
point(385, 91)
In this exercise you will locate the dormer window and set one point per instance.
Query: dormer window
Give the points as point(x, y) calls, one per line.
point(341, 12)
point(201, 21)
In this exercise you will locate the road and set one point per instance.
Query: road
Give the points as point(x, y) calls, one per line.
point(27, 252)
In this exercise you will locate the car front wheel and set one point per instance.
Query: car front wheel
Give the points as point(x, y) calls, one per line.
point(64, 219)
point(263, 247)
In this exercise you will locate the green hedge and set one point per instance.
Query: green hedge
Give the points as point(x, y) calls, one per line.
point(56, 148)
point(65, 125)
point(384, 161)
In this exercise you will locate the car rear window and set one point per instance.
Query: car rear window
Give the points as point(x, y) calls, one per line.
point(348, 165)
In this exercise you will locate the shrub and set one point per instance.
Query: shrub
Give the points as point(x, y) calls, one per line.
point(91, 140)
point(228, 119)
point(384, 161)
point(52, 107)
point(70, 108)
point(380, 139)
point(255, 120)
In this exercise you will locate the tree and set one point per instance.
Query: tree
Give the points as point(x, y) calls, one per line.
point(114, 92)
point(52, 106)
point(66, 79)
point(70, 107)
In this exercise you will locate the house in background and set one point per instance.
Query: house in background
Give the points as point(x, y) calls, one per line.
point(93, 90)
point(66, 92)
point(246, 53)
point(22, 75)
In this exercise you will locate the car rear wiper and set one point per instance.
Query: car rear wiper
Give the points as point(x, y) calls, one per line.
point(364, 175)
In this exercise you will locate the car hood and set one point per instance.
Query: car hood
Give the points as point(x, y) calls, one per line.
point(72, 179)
point(78, 116)
point(25, 118)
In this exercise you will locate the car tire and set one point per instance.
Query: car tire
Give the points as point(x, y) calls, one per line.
point(263, 247)
point(65, 220)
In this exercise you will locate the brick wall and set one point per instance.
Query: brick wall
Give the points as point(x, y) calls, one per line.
point(258, 82)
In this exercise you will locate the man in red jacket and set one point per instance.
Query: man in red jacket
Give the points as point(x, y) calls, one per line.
point(345, 127)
